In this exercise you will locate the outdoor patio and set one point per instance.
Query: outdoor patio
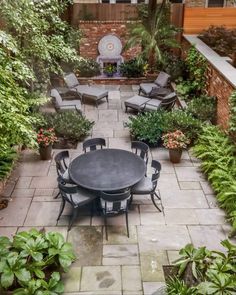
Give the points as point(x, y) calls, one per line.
point(120, 265)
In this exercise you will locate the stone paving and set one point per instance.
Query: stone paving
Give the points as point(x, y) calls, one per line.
point(121, 265)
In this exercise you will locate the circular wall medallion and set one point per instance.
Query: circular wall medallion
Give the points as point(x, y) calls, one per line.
point(110, 45)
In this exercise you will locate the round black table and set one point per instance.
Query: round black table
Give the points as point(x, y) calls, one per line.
point(107, 170)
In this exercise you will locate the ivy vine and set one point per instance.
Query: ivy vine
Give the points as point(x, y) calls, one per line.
point(196, 67)
point(232, 117)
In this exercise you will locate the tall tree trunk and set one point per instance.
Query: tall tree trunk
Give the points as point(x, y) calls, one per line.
point(152, 6)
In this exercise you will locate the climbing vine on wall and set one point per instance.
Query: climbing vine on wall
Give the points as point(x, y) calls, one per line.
point(232, 118)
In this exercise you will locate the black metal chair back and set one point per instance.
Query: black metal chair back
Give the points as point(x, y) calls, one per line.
point(114, 203)
point(141, 149)
point(67, 192)
point(155, 176)
point(168, 102)
point(93, 143)
point(61, 162)
point(75, 196)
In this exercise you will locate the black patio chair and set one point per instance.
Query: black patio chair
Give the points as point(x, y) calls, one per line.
point(113, 204)
point(62, 160)
point(140, 148)
point(93, 143)
point(148, 185)
point(76, 197)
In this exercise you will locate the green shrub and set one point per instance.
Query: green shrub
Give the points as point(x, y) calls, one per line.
point(132, 68)
point(88, 67)
point(201, 271)
point(30, 264)
point(217, 153)
point(7, 159)
point(203, 108)
point(149, 126)
point(69, 125)
point(181, 120)
point(146, 127)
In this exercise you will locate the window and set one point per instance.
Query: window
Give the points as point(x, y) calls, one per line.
point(215, 3)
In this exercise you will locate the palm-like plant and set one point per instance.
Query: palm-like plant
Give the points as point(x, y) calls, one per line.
point(155, 35)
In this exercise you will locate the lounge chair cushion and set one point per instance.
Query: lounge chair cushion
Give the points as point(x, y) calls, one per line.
point(147, 87)
point(159, 92)
point(152, 105)
point(162, 79)
point(92, 92)
point(145, 185)
point(136, 102)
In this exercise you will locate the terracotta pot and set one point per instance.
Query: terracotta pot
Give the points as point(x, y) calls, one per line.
point(175, 155)
point(45, 152)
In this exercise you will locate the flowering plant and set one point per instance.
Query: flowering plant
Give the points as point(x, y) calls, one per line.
point(110, 69)
point(175, 140)
point(45, 137)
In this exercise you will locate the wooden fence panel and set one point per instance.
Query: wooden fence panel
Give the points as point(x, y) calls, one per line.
point(198, 19)
point(103, 12)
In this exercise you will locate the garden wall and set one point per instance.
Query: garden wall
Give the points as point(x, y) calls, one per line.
point(93, 31)
point(221, 77)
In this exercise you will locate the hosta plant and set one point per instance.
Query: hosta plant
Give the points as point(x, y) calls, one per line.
point(32, 262)
point(214, 272)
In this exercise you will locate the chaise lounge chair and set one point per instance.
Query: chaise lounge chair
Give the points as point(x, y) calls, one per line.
point(64, 105)
point(85, 91)
point(142, 103)
point(159, 85)
point(166, 103)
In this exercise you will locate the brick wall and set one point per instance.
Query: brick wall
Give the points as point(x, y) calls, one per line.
point(93, 31)
point(218, 86)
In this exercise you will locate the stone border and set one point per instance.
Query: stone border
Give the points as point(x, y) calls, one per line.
point(217, 61)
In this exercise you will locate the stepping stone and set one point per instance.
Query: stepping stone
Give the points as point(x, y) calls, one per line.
point(151, 265)
point(87, 244)
point(117, 235)
point(189, 174)
point(8, 231)
point(42, 214)
point(101, 278)
point(120, 255)
point(162, 237)
point(131, 279)
point(209, 236)
point(181, 216)
point(15, 213)
point(175, 198)
point(71, 279)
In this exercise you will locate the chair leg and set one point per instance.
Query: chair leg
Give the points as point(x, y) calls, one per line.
point(156, 195)
point(58, 194)
point(74, 215)
point(130, 201)
point(107, 98)
point(63, 202)
point(154, 203)
point(105, 222)
point(127, 222)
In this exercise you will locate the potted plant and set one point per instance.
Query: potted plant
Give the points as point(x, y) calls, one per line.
point(175, 141)
point(109, 70)
point(45, 139)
